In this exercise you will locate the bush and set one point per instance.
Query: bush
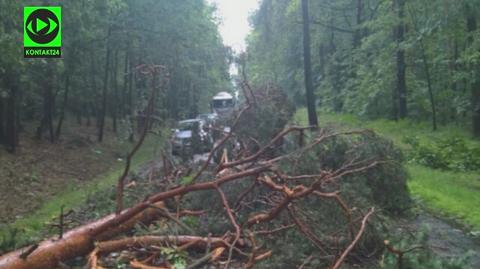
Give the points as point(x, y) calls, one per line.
point(447, 154)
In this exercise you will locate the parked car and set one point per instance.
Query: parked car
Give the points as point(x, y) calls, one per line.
point(191, 137)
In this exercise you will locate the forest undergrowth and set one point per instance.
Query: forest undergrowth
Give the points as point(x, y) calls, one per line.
point(62, 175)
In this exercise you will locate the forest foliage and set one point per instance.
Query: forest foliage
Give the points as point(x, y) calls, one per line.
point(376, 58)
point(103, 42)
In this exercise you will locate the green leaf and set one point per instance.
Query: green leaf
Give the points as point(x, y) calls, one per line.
point(186, 180)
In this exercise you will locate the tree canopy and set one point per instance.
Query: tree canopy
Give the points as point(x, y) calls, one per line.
point(103, 42)
point(375, 58)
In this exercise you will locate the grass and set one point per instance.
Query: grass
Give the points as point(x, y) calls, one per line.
point(456, 194)
point(451, 193)
point(75, 195)
point(395, 130)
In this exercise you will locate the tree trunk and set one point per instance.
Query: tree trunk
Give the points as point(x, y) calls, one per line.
point(426, 68)
point(62, 113)
point(47, 119)
point(9, 112)
point(49, 113)
point(2, 130)
point(131, 84)
point(87, 114)
point(94, 104)
point(429, 85)
point(115, 104)
point(312, 114)
point(335, 71)
point(70, 70)
point(401, 86)
point(125, 83)
point(101, 125)
point(358, 34)
point(77, 242)
point(11, 123)
point(475, 85)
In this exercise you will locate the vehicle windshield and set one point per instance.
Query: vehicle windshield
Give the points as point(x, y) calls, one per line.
point(222, 103)
point(188, 126)
point(206, 116)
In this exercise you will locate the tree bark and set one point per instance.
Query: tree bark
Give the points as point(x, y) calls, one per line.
point(47, 119)
point(70, 70)
point(125, 82)
point(2, 130)
point(94, 104)
point(429, 86)
point(115, 104)
point(77, 242)
point(312, 114)
point(131, 85)
point(103, 112)
point(401, 86)
point(358, 34)
point(11, 133)
point(475, 85)
point(62, 113)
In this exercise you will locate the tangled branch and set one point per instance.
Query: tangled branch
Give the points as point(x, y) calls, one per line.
point(279, 190)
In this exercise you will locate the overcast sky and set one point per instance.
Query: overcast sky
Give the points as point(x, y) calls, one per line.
point(234, 20)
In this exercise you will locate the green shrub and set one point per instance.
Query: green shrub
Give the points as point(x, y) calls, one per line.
point(8, 238)
point(447, 154)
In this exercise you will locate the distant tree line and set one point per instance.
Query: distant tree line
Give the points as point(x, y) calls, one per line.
point(103, 42)
point(376, 58)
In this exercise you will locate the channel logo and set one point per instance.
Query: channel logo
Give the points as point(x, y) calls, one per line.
point(42, 36)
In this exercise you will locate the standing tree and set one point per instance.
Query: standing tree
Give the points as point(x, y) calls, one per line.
point(46, 122)
point(426, 68)
point(401, 87)
point(103, 110)
point(475, 85)
point(312, 114)
point(11, 128)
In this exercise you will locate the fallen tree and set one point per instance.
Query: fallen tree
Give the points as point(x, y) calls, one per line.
point(77, 242)
point(281, 191)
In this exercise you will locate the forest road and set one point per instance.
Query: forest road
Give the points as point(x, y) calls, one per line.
point(446, 240)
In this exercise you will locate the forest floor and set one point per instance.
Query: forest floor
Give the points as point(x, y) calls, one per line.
point(446, 240)
point(42, 177)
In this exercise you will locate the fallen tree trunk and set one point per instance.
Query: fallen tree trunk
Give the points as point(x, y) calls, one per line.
point(80, 241)
point(264, 170)
point(77, 242)
point(197, 242)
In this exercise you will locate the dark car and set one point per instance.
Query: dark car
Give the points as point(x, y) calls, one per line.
point(191, 137)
